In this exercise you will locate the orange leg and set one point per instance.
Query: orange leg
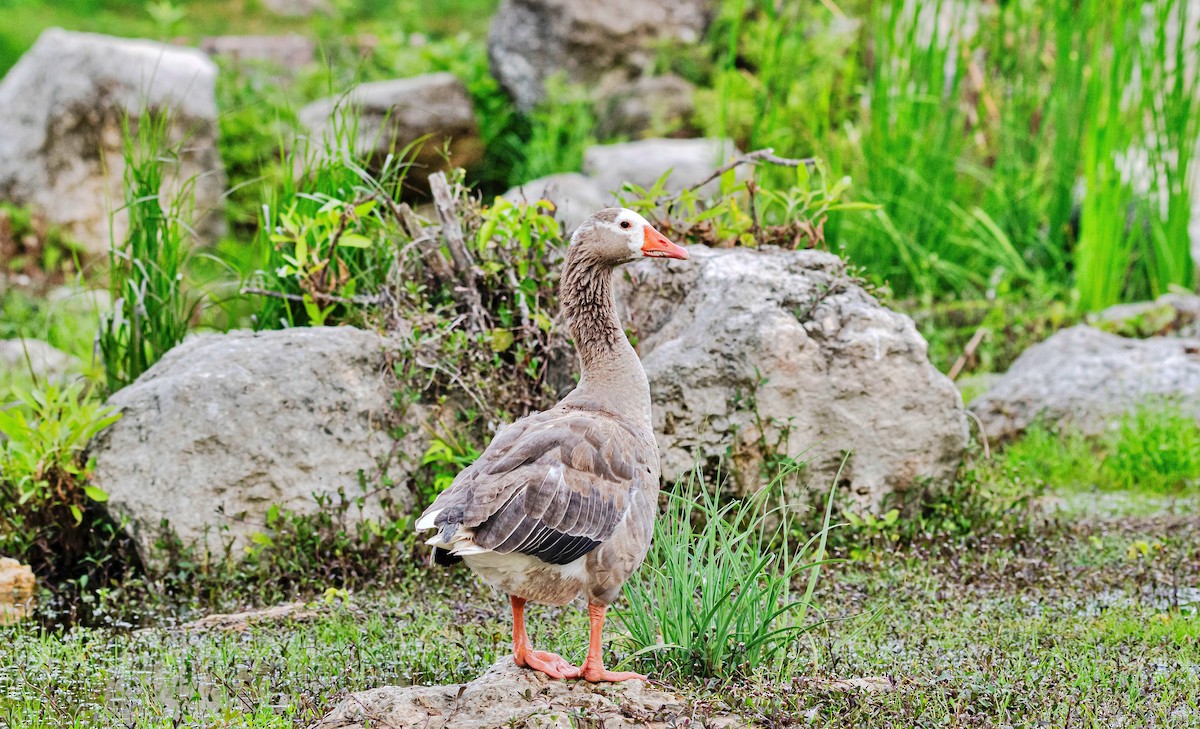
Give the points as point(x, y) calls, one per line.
point(593, 668)
point(526, 657)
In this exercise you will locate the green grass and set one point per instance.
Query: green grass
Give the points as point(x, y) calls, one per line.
point(1076, 626)
point(1155, 450)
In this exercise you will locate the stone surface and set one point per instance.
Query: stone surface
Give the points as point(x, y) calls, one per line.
point(291, 51)
point(393, 114)
point(642, 163)
point(1089, 378)
point(585, 42)
point(45, 361)
point(225, 426)
point(16, 590)
point(296, 8)
point(1170, 314)
point(648, 107)
point(508, 696)
point(62, 107)
point(575, 196)
point(830, 368)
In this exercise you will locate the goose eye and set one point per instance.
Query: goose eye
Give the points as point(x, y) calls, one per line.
point(625, 224)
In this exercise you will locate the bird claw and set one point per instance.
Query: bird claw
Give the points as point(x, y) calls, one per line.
point(598, 674)
point(552, 665)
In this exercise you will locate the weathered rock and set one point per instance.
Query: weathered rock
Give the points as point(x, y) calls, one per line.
point(33, 355)
point(585, 42)
point(16, 590)
point(642, 163)
point(394, 114)
point(225, 426)
point(575, 196)
point(1090, 378)
point(291, 51)
point(651, 106)
point(734, 338)
point(1170, 314)
point(510, 696)
point(296, 8)
point(62, 109)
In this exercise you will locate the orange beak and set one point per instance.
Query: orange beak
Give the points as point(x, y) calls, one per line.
point(657, 246)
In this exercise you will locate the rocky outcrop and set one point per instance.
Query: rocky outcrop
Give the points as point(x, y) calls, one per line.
point(393, 114)
point(16, 590)
point(641, 163)
point(225, 426)
point(62, 111)
point(651, 106)
point(585, 42)
point(1170, 314)
point(289, 52)
point(575, 197)
point(751, 353)
point(1090, 378)
point(510, 696)
point(33, 356)
point(296, 8)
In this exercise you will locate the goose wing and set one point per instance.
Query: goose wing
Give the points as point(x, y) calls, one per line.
point(553, 486)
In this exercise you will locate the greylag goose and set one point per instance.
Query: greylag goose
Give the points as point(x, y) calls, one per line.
point(562, 503)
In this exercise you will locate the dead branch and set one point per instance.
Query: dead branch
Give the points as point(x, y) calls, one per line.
point(766, 154)
point(452, 236)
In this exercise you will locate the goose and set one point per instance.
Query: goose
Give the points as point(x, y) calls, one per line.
point(562, 503)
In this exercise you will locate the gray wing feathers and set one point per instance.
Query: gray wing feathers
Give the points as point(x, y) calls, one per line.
point(554, 487)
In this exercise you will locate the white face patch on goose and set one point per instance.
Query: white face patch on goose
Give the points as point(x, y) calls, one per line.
point(633, 227)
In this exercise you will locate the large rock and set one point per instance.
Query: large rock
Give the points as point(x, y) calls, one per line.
point(290, 52)
point(575, 196)
point(585, 42)
point(510, 696)
point(62, 109)
point(651, 106)
point(394, 114)
point(16, 590)
point(225, 426)
point(1090, 378)
point(689, 161)
point(750, 353)
point(1170, 314)
point(296, 8)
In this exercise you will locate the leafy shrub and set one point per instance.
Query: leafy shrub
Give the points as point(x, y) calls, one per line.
point(714, 597)
point(50, 518)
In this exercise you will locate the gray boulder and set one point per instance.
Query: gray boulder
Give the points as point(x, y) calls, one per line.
point(225, 426)
point(575, 196)
point(393, 114)
point(585, 42)
point(289, 52)
point(1170, 314)
point(296, 8)
point(651, 106)
point(641, 163)
point(22, 356)
point(751, 352)
point(62, 108)
point(1090, 378)
point(510, 696)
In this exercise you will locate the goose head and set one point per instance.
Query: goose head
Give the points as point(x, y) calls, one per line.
point(614, 236)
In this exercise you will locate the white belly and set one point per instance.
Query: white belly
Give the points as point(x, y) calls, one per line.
point(529, 577)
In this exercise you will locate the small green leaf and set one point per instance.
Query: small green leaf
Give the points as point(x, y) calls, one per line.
point(354, 240)
point(96, 494)
point(502, 339)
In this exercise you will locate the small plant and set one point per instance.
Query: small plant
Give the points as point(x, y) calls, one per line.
point(50, 517)
point(715, 596)
point(151, 311)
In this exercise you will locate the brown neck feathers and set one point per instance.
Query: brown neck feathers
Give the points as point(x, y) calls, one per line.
point(612, 375)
